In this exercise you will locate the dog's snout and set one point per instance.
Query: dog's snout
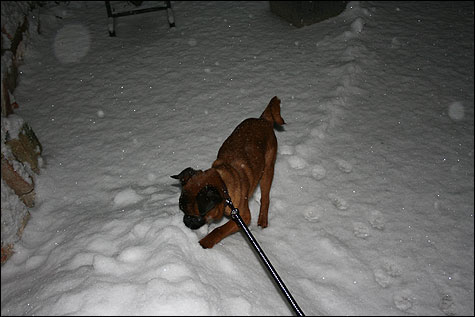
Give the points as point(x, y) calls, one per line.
point(193, 222)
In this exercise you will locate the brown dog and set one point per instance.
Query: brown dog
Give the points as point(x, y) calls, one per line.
point(246, 158)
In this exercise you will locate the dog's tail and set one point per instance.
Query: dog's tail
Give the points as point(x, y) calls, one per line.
point(272, 112)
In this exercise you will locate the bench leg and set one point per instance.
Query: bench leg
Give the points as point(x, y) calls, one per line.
point(170, 15)
point(112, 24)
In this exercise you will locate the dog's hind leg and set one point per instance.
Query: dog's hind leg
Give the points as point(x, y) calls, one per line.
point(266, 183)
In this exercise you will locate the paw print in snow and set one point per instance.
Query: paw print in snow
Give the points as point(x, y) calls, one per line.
point(319, 172)
point(376, 219)
point(311, 214)
point(382, 278)
point(387, 274)
point(344, 166)
point(360, 230)
point(403, 300)
point(392, 269)
point(338, 202)
point(297, 162)
point(447, 305)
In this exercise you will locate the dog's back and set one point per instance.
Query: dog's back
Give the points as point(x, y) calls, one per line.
point(253, 137)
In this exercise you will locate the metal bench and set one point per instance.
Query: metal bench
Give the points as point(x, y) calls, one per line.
point(134, 7)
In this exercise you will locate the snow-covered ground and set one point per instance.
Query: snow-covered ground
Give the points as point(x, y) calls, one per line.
point(372, 202)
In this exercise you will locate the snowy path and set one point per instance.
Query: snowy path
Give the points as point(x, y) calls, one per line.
point(372, 202)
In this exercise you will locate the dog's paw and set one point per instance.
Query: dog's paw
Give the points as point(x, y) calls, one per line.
point(262, 222)
point(207, 242)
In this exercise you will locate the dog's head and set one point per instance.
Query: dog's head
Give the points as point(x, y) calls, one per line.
point(202, 196)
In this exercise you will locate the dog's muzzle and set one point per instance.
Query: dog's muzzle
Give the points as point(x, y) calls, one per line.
point(193, 222)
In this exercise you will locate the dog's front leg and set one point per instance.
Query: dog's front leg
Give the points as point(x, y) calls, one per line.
point(219, 234)
point(225, 230)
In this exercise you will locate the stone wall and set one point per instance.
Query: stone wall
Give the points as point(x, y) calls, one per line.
point(20, 148)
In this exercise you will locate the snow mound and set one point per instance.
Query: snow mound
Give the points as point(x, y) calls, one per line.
point(126, 197)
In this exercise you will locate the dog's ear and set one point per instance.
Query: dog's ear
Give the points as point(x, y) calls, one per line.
point(185, 175)
point(208, 197)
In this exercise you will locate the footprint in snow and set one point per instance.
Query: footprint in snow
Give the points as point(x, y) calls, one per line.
point(382, 278)
point(344, 166)
point(318, 172)
point(297, 162)
point(376, 219)
point(447, 305)
point(305, 150)
point(403, 300)
point(360, 230)
point(387, 274)
point(320, 131)
point(358, 25)
point(338, 202)
point(312, 214)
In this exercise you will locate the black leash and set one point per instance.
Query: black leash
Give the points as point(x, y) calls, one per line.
point(237, 218)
